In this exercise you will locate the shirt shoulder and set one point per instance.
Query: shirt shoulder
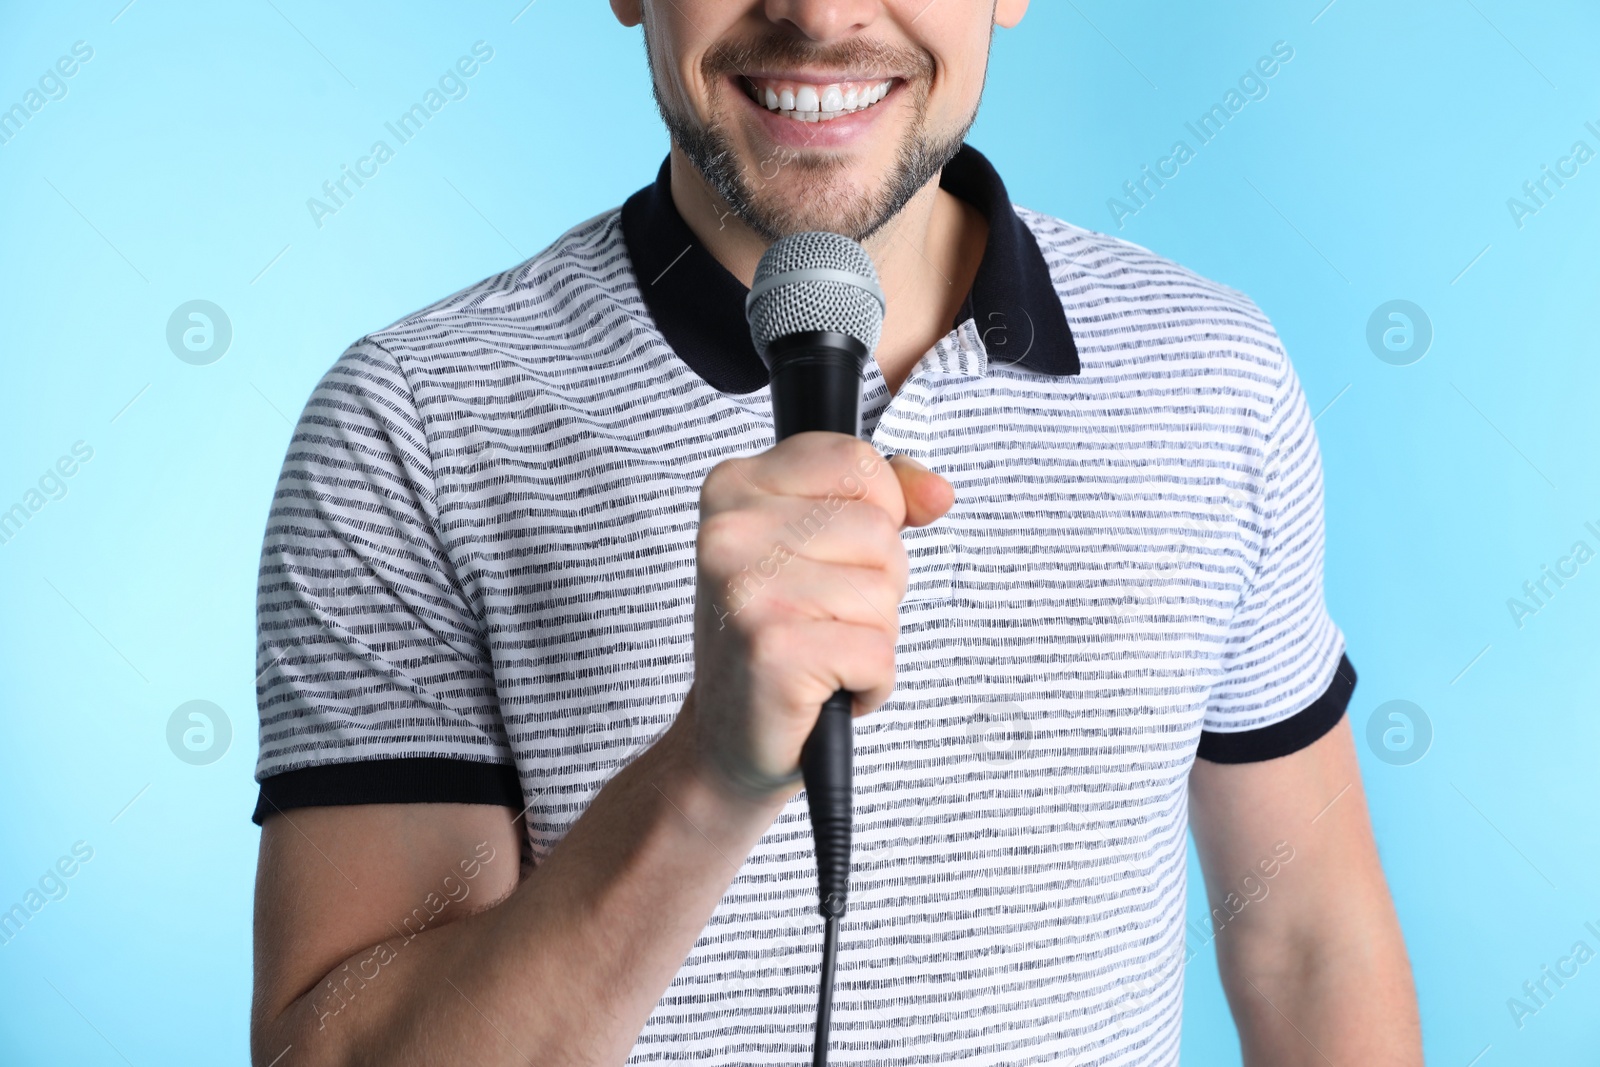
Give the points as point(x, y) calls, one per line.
point(1126, 302)
point(548, 307)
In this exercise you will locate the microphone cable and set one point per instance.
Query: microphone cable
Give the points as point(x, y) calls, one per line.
point(826, 761)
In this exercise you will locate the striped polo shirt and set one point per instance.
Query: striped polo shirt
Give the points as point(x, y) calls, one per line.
point(478, 581)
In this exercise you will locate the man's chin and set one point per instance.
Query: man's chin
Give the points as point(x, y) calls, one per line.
point(812, 194)
point(776, 215)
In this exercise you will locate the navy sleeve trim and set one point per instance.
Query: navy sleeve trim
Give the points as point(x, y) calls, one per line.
point(1289, 735)
point(421, 780)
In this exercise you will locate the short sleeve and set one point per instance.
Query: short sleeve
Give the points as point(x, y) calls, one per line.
point(375, 683)
point(1286, 680)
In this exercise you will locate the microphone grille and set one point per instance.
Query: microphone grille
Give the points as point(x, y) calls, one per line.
point(815, 281)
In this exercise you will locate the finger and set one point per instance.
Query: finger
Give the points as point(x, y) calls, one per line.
point(861, 596)
point(857, 534)
point(817, 465)
point(858, 659)
point(763, 538)
point(927, 494)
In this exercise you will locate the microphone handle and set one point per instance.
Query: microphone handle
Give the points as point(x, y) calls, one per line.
point(816, 385)
point(826, 760)
point(816, 382)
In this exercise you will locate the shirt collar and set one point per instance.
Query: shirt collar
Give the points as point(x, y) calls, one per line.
point(699, 306)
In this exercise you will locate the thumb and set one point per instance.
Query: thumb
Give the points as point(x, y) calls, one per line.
point(927, 495)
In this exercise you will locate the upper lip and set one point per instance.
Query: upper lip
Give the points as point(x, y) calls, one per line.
point(816, 78)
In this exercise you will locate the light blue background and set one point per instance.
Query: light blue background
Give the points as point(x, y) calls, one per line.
point(178, 165)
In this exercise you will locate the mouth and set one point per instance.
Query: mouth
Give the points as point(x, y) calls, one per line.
point(803, 101)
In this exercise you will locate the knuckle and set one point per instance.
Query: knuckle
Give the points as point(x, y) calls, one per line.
point(769, 645)
point(719, 535)
point(843, 447)
point(864, 457)
point(765, 642)
point(721, 481)
point(883, 590)
point(811, 515)
point(898, 566)
point(883, 525)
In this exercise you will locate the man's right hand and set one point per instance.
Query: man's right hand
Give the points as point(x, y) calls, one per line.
point(800, 573)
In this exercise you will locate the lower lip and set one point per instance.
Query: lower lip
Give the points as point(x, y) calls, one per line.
point(835, 133)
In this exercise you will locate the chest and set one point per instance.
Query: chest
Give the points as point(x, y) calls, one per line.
point(1080, 517)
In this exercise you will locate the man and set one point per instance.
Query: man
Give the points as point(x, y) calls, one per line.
point(545, 620)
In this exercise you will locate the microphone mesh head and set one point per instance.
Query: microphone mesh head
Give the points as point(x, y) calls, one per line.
point(816, 304)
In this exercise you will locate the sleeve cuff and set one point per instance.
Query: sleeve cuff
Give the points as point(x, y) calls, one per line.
point(1288, 735)
point(421, 780)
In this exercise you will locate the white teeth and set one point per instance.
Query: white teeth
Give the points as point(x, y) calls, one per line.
point(812, 103)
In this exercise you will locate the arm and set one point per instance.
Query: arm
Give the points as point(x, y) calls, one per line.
point(400, 934)
point(1311, 954)
point(563, 968)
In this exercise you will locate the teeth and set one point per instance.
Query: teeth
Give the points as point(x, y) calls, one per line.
point(811, 103)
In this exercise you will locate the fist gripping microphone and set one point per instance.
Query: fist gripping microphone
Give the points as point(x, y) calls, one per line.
point(815, 311)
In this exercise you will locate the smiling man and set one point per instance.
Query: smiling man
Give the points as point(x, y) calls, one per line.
point(533, 691)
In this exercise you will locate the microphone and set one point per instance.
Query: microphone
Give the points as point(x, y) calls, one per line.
point(815, 311)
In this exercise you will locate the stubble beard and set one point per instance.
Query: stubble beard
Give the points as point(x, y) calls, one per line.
point(816, 194)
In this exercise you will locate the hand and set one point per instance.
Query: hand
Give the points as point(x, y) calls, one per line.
point(800, 573)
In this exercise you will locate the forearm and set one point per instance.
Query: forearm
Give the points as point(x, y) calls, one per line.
point(1341, 993)
point(1311, 953)
point(567, 968)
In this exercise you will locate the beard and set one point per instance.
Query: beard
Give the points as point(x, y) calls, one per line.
point(829, 201)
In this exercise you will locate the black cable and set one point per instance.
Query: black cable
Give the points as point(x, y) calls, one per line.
point(830, 952)
point(826, 759)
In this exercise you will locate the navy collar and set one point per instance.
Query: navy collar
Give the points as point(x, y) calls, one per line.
point(699, 306)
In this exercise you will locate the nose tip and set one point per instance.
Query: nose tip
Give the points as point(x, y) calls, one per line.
point(824, 20)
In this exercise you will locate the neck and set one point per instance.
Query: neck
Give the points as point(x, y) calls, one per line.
point(926, 256)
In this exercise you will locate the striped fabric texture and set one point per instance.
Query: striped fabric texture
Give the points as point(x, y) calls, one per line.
point(481, 549)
